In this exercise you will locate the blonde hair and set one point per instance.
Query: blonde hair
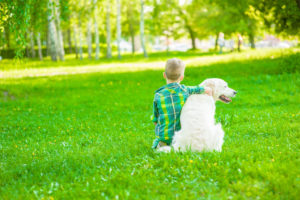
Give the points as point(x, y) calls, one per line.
point(174, 69)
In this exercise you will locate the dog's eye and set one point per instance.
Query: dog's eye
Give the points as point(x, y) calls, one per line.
point(225, 86)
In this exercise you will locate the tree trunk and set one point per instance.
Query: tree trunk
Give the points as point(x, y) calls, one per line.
point(89, 38)
point(52, 34)
point(298, 3)
point(32, 44)
point(26, 47)
point(7, 38)
point(75, 40)
point(108, 34)
point(89, 33)
point(69, 39)
point(60, 42)
point(96, 30)
point(38, 39)
point(47, 44)
point(131, 29)
point(251, 39)
point(27, 52)
point(168, 46)
point(132, 42)
point(80, 39)
point(192, 35)
point(216, 42)
point(142, 29)
point(119, 27)
point(2, 39)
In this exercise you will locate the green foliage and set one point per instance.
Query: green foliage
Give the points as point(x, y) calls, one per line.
point(169, 18)
point(166, 20)
point(130, 18)
point(89, 136)
point(283, 14)
point(17, 16)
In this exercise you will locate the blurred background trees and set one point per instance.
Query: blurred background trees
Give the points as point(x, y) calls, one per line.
point(40, 28)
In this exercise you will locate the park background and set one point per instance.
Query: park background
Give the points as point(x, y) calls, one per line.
point(77, 80)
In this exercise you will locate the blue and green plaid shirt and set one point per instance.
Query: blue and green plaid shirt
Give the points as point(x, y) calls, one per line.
point(167, 105)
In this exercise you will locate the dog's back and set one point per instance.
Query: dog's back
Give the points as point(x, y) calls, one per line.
point(198, 130)
point(199, 108)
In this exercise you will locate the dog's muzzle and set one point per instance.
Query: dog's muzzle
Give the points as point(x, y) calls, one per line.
point(225, 99)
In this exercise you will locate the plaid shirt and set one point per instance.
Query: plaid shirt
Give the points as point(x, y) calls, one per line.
point(167, 105)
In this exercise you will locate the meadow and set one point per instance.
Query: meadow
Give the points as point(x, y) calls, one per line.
point(89, 135)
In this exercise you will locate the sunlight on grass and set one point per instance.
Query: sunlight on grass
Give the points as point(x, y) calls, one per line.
point(131, 66)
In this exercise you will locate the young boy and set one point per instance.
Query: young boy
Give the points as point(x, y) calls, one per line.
point(169, 100)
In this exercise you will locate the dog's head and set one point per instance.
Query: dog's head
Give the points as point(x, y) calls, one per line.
point(220, 89)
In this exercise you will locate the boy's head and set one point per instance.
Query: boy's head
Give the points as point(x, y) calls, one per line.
point(174, 70)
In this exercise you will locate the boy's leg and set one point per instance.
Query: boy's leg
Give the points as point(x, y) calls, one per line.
point(157, 144)
point(162, 144)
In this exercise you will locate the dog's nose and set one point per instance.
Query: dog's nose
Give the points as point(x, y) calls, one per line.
point(234, 92)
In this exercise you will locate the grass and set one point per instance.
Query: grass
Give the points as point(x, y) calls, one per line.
point(89, 135)
point(29, 68)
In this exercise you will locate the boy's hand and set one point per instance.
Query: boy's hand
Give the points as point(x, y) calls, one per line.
point(208, 91)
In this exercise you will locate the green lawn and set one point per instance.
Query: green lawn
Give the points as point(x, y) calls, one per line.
point(89, 135)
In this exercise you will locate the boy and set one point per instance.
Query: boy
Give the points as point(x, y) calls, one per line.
point(169, 100)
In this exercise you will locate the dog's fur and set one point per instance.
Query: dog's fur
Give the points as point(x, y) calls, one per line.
point(198, 129)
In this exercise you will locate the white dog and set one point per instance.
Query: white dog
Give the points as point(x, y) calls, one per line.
point(198, 129)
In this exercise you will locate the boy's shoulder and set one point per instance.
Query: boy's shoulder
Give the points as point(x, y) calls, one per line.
point(170, 89)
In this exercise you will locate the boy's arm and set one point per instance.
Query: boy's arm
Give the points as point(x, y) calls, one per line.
point(155, 112)
point(195, 89)
point(199, 90)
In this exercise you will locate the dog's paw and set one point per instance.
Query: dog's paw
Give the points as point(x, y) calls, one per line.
point(165, 149)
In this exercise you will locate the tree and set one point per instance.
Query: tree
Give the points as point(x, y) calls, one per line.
point(188, 25)
point(75, 39)
point(89, 33)
point(38, 39)
point(60, 42)
point(52, 33)
point(32, 44)
point(228, 16)
point(186, 19)
point(142, 29)
point(16, 16)
point(80, 38)
point(96, 30)
point(78, 15)
point(25, 24)
point(119, 27)
point(283, 15)
point(7, 36)
point(130, 21)
point(170, 27)
point(74, 16)
point(69, 39)
point(108, 29)
point(38, 19)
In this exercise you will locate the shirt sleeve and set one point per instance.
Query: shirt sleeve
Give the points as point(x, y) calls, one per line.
point(195, 89)
point(154, 116)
